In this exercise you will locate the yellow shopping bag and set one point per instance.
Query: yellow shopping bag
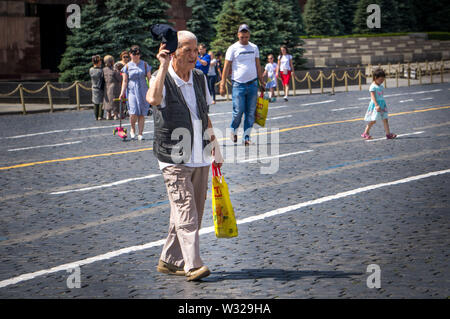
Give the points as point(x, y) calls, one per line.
point(262, 107)
point(223, 214)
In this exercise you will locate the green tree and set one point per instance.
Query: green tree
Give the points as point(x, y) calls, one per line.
point(346, 9)
point(272, 24)
point(390, 18)
point(259, 15)
point(151, 12)
point(128, 22)
point(406, 19)
point(82, 44)
point(360, 19)
point(321, 18)
point(227, 25)
point(290, 28)
point(110, 29)
point(200, 22)
point(431, 15)
point(203, 18)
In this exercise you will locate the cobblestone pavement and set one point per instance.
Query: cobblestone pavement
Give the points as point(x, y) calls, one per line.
point(54, 213)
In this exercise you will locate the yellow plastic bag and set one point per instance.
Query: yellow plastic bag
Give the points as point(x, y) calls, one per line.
point(262, 107)
point(224, 220)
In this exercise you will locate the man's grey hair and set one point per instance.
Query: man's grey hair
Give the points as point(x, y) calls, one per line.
point(185, 35)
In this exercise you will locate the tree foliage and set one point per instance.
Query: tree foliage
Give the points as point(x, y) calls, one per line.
point(111, 28)
point(228, 22)
point(272, 24)
point(82, 44)
point(290, 28)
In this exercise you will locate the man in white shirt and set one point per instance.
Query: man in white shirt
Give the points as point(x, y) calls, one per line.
point(242, 58)
point(183, 137)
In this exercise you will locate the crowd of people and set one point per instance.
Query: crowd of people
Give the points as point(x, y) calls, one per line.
point(128, 80)
point(181, 91)
point(123, 82)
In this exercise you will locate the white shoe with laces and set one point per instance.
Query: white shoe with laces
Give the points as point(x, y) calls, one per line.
point(132, 135)
point(140, 138)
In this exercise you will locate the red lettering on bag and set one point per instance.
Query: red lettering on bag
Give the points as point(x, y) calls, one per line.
point(217, 192)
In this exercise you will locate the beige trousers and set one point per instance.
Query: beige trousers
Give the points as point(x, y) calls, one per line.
point(186, 188)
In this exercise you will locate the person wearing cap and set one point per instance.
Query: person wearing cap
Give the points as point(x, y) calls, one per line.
point(183, 142)
point(134, 88)
point(242, 58)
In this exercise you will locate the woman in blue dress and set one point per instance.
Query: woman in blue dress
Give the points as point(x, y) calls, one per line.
point(134, 88)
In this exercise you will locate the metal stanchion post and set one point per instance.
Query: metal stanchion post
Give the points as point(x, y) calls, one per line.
point(359, 80)
point(77, 92)
point(346, 81)
point(22, 100)
point(332, 80)
point(409, 74)
point(321, 82)
point(309, 82)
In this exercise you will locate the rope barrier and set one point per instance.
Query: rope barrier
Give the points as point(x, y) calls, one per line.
point(395, 72)
point(12, 92)
point(35, 91)
point(67, 88)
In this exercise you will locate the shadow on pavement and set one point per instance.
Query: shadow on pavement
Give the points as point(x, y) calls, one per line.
point(277, 274)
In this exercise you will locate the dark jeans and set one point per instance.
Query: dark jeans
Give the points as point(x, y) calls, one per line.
point(212, 79)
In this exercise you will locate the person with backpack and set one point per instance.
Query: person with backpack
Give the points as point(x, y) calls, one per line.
point(134, 88)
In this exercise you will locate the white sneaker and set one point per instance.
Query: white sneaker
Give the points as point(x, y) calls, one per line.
point(132, 135)
point(140, 138)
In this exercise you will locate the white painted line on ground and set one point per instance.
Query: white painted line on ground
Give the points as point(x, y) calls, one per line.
point(399, 135)
point(73, 129)
point(34, 134)
point(279, 107)
point(322, 102)
point(400, 94)
point(279, 117)
point(427, 98)
point(276, 156)
point(208, 230)
point(404, 101)
point(41, 146)
point(106, 185)
point(346, 108)
point(212, 114)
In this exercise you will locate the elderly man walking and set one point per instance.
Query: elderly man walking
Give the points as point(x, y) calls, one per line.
point(243, 59)
point(180, 98)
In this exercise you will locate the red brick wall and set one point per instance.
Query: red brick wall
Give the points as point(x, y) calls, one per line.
point(179, 13)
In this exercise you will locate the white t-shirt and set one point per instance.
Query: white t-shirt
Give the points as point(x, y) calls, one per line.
point(187, 89)
point(271, 68)
point(243, 67)
point(212, 67)
point(285, 62)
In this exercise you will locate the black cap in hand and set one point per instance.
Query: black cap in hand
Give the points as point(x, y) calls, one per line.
point(166, 34)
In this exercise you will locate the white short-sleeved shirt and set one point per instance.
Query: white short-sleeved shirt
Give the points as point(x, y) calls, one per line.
point(285, 64)
point(187, 89)
point(243, 67)
point(271, 68)
point(212, 68)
